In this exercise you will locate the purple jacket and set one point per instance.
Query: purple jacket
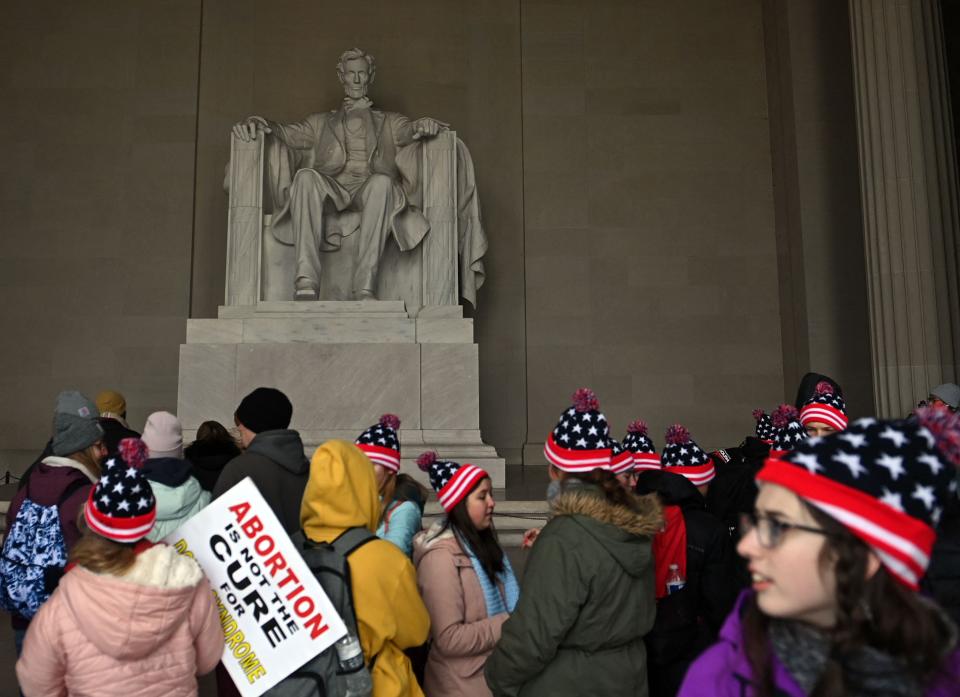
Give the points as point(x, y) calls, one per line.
point(724, 671)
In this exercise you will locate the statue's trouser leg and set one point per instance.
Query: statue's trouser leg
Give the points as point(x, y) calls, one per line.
point(307, 194)
point(376, 205)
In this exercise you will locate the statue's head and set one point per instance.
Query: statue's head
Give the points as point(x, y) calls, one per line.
point(356, 70)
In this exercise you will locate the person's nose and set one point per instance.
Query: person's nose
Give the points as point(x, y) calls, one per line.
point(749, 545)
point(491, 504)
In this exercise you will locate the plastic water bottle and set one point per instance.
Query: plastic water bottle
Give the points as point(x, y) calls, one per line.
point(353, 667)
point(675, 582)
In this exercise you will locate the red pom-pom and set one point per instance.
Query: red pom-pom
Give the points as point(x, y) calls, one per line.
point(584, 400)
point(824, 388)
point(759, 414)
point(133, 451)
point(426, 459)
point(638, 426)
point(677, 434)
point(945, 427)
point(390, 421)
point(783, 415)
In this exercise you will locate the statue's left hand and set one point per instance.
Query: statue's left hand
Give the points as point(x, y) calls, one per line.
point(427, 127)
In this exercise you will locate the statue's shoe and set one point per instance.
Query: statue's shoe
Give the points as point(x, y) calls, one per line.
point(305, 294)
point(366, 295)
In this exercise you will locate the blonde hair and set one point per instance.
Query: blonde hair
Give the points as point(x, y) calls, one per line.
point(89, 457)
point(100, 555)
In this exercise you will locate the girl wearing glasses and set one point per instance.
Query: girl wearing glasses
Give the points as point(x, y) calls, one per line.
point(840, 539)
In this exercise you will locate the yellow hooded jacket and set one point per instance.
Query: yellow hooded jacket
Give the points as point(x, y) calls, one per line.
point(391, 616)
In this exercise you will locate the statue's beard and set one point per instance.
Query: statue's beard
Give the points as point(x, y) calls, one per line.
point(355, 92)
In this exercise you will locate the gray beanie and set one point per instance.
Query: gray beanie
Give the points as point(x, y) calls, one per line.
point(948, 393)
point(75, 425)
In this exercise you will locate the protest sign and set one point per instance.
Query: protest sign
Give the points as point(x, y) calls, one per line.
point(275, 615)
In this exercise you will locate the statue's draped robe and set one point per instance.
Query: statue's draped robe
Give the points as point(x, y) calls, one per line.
point(317, 142)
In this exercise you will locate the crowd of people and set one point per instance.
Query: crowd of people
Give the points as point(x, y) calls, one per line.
point(820, 556)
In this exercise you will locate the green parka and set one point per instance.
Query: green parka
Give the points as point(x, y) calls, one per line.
point(586, 603)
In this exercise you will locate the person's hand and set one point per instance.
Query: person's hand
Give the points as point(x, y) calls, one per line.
point(427, 127)
point(529, 537)
point(248, 129)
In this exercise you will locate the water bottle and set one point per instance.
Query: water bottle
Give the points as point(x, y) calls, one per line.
point(353, 667)
point(675, 582)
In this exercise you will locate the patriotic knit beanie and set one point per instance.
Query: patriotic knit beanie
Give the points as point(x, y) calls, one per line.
point(790, 432)
point(681, 455)
point(121, 507)
point(765, 430)
point(621, 459)
point(638, 442)
point(885, 481)
point(581, 440)
point(381, 444)
point(826, 407)
point(453, 482)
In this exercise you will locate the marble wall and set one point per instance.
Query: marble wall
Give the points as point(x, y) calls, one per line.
point(623, 150)
point(98, 120)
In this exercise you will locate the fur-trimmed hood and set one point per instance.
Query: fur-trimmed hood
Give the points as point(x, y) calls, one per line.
point(623, 532)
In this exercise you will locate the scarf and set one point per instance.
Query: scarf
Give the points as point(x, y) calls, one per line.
point(804, 651)
point(495, 601)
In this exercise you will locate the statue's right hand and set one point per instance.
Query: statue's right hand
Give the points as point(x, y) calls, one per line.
point(247, 129)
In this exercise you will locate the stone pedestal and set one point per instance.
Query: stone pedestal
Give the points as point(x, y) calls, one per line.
point(343, 364)
point(908, 174)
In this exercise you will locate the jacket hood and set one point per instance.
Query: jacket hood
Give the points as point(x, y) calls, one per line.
point(129, 617)
point(176, 502)
point(674, 489)
point(433, 538)
point(170, 471)
point(623, 532)
point(282, 446)
point(341, 492)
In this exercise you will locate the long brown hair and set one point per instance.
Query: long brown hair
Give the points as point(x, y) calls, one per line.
point(606, 481)
point(878, 612)
point(89, 457)
point(483, 543)
point(100, 555)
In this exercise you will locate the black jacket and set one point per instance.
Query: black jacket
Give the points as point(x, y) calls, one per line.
point(943, 575)
point(688, 621)
point(113, 433)
point(208, 459)
point(275, 462)
point(734, 490)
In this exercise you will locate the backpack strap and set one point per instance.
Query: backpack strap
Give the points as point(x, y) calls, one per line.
point(350, 540)
point(71, 489)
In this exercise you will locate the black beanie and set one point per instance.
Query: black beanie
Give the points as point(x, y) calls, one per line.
point(265, 409)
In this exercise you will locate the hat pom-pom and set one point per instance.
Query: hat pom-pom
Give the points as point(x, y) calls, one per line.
point(945, 427)
point(390, 421)
point(426, 459)
point(824, 388)
point(783, 415)
point(639, 427)
point(585, 400)
point(758, 414)
point(676, 435)
point(133, 451)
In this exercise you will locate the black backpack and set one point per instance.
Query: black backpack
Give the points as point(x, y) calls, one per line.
point(328, 562)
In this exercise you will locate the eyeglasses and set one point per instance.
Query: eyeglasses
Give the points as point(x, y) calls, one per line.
point(770, 531)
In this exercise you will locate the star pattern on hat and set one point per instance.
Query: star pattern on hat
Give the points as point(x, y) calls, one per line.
point(582, 431)
point(122, 491)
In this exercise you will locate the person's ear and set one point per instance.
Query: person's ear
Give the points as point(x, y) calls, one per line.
point(873, 564)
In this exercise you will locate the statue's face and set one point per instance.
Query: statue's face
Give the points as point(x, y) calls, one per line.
point(355, 78)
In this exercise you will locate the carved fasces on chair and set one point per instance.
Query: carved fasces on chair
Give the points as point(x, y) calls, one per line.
point(261, 267)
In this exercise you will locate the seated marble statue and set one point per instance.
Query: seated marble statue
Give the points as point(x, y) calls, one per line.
point(350, 158)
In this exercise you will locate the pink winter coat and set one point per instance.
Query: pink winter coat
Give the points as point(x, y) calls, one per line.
point(463, 636)
point(148, 632)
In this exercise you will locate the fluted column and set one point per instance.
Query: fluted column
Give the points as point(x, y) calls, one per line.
point(908, 175)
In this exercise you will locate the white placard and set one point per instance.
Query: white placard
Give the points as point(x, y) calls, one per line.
point(274, 613)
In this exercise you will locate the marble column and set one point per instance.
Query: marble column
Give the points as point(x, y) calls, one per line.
point(908, 174)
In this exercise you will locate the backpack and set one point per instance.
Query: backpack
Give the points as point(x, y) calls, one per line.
point(34, 554)
point(328, 562)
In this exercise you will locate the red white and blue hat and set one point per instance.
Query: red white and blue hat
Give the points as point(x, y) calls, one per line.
point(681, 455)
point(452, 481)
point(638, 442)
point(790, 432)
point(825, 407)
point(381, 444)
point(122, 507)
point(765, 430)
point(581, 440)
point(885, 481)
point(621, 459)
